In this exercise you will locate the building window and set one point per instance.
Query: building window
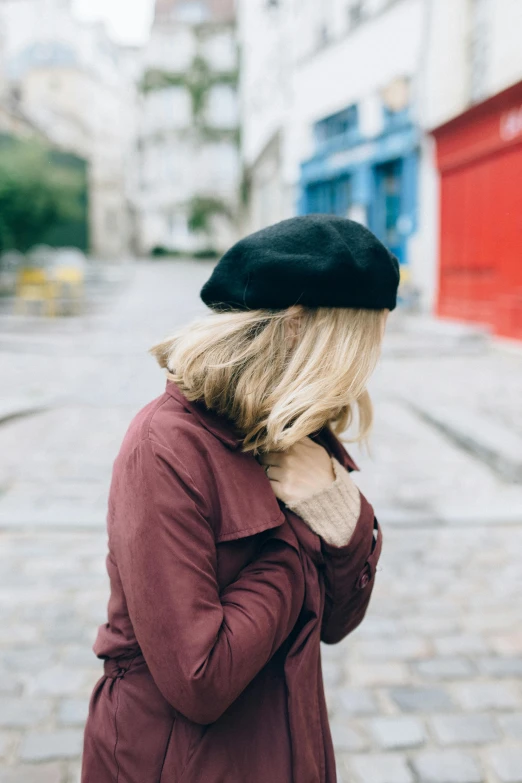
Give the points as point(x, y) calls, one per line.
point(324, 35)
point(387, 205)
point(395, 118)
point(356, 13)
point(479, 48)
point(194, 12)
point(331, 197)
point(337, 126)
point(15, 95)
point(395, 98)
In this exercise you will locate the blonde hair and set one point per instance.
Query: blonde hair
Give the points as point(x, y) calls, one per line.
point(245, 366)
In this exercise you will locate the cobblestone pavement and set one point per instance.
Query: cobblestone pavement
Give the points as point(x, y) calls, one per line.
point(427, 690)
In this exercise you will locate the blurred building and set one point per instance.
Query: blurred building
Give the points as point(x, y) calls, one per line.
point(329, 98)
point(13, 121)
point(188, 136)
point(474, 85)
point(341, 106)
point(71, 84)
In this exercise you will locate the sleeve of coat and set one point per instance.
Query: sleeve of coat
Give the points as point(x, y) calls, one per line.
point(202, 647)
point(349, 576)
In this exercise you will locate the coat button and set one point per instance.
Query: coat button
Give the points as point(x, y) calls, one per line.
point(364, 577)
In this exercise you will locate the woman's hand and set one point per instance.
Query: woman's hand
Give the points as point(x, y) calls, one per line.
point(304, 469)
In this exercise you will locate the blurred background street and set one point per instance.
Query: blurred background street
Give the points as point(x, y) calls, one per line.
point(427, 689)
point(135, 145)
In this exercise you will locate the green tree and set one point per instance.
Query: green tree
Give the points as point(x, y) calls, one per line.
point(201, 211)
point(36, 195)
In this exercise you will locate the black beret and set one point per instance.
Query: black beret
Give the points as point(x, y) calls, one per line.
point(313, 260)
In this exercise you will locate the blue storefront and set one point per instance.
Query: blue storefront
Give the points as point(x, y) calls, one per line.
point(372, 180)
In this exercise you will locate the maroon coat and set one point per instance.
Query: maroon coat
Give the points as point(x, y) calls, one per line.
point(220, 596)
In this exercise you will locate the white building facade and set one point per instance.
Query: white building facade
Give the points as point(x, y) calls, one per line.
point(188, 133)
point(73, 84)
point(338, 101)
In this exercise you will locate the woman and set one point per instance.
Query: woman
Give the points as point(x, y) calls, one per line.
point(237, 539)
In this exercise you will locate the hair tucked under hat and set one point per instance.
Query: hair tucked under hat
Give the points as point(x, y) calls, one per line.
point(313, 260)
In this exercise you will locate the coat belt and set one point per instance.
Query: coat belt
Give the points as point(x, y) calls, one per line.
point(116, 668)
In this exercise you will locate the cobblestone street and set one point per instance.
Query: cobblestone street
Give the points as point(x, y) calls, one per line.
point(427, 690)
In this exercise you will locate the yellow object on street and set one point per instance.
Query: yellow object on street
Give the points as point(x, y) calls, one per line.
point(34, 285)
point(68, 281)
point(55, 290)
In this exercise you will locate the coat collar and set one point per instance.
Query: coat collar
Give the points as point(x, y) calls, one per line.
point(223, 428)
point(218, 425)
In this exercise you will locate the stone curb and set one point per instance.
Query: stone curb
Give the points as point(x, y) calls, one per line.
point(493, 517)
point(420, 334)
point(493, 444)
point(16, 408)
point(34, 520)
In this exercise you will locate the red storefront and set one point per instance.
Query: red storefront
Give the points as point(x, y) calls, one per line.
point(479, 156)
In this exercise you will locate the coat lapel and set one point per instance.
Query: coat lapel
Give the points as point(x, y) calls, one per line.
point(246, 504)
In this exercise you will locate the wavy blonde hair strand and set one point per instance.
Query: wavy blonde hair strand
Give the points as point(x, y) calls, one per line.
point(276, 390)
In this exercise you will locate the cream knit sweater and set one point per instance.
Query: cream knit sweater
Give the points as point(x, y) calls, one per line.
point(333, 512)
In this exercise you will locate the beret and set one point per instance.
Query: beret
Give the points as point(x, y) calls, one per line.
point(313, 260)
